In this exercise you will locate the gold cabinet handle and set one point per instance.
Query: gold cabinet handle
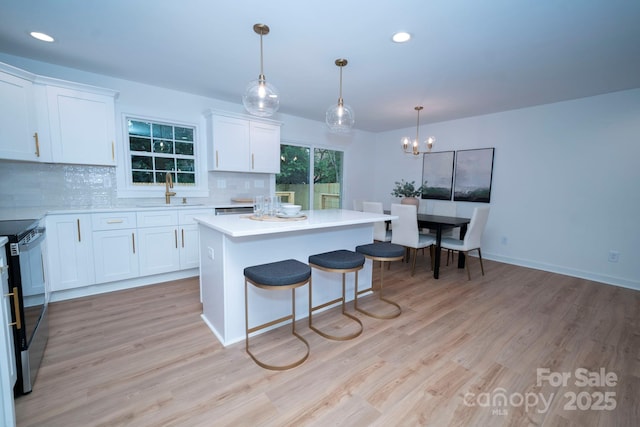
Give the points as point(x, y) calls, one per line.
point(175, 233)
point(115, 221)
point(133, 242)
point(183, 237)
point(252, 161)
point(16, 308)
point(78, 225)
point(216, 158)
point(113, 151)
point(35, 136)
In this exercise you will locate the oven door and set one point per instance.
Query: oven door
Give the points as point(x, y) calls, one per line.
point(33, 284)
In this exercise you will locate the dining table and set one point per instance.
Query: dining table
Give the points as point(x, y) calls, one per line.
point(440, 223)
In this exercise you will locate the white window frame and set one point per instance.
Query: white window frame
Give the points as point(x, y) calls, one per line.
point(126, 188)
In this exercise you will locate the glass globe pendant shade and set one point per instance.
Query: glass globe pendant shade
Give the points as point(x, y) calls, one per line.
point(261, 98)
point(340, 118)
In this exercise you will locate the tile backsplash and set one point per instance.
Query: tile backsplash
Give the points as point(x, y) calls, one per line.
point(59, 186)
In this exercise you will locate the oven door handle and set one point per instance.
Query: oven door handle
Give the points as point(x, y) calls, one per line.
point(28, 246)
point(16, 308)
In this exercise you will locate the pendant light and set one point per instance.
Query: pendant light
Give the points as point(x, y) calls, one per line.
point(406, 141)
point(340, 117)
point(261, 98)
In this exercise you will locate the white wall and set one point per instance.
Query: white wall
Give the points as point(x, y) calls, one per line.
point(566, 183)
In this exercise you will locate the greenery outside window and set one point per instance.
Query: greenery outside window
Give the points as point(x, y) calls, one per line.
point(156, 148)
point(302, 175)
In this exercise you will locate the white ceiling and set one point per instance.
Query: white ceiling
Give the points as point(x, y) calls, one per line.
point(467, 57)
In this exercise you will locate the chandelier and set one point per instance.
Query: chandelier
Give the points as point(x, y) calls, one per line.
point(406, 141)
point(340, 116)
point(261, 98)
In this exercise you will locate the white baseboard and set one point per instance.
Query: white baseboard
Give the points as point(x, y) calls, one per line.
point(121, 285)
point(602, 278)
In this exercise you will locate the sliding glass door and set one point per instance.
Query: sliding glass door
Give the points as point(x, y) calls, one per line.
point(295, 184)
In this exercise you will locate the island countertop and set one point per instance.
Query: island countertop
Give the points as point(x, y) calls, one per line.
point(241, 225)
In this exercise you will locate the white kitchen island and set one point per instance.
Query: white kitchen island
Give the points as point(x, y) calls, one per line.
point(230, 243)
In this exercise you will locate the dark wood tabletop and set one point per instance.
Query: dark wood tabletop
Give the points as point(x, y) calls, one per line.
point(439, 223)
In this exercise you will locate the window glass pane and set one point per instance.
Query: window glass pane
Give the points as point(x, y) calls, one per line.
point(186, 178)
point(162, 146)
point(142, 177)
point(185, 148)
point(155, 148)
point(162, 131)
point(293, 182)
point(327, 179)
point(164, 164)
point(184, 134)
point(139, 128)
point(161, 176)
point(141, 162)
point(139, 144)
point(185, 165)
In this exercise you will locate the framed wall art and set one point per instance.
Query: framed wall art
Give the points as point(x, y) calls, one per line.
point(474, 170)
point(437, 175)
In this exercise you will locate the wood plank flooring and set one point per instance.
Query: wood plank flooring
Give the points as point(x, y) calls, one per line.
point(144, 357)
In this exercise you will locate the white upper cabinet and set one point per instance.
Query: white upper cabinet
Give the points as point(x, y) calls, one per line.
point(18, 131)
point(81, 126)
point(239, 144)
point(49, 120)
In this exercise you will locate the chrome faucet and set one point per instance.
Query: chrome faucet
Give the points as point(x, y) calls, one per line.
point(168, 183)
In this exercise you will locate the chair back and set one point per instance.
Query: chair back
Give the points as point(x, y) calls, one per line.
point(357, 205)
point(405, 228)
point(476, 228)
point(379, 228)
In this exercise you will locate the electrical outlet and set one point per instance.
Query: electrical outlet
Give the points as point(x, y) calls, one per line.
point(210, 252)
point(614, 256)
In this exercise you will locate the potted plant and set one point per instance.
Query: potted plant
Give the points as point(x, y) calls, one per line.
point(408, 192)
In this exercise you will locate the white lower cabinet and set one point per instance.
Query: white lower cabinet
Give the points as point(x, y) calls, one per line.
point(114, 246)
point(159, 250)
point(70, 251)
point(190, 243)
point(104, 247)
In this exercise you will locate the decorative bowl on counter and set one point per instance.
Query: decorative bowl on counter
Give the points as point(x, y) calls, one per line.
point(290, 210)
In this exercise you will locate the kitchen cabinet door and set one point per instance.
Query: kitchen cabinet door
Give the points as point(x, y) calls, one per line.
point(159, 251)
point(231, 144)
point(265, 147)
point(69, 251)
point(243, 145)
point(189, 247)
point(81, 126)
point(114, 254)
point(18, 132)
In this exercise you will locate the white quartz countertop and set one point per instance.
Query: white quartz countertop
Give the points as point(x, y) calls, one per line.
point(241, 225)
point(40, 212)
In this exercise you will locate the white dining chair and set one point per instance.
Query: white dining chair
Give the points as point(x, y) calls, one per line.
point(471, 239)
point(380, 232)
point(406, 233)
point(357, 205)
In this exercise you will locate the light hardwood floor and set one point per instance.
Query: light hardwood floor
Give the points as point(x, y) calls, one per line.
point(143, 357)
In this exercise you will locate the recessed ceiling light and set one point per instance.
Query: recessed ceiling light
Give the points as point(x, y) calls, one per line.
point(41, 36)
point(401, 37)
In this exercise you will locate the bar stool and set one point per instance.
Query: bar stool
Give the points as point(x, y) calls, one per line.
point(383, 252)
point(280, 275)
point(340, 261)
